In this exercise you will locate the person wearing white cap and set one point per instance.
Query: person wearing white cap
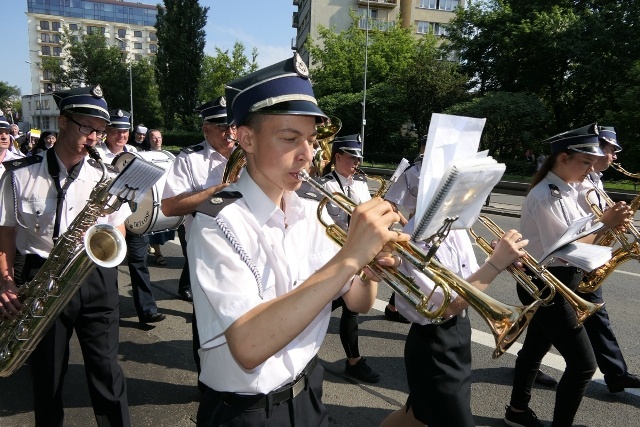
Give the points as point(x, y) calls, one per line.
point(139, 135)
point(550, 207)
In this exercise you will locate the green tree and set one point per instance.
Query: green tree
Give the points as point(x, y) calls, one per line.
point(10, 103)
point(570, 54)
point(89, 60)
point(224, 67)
point(513, 122)
point(181, 40)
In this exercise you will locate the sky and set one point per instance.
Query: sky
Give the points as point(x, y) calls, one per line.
point(268, 28)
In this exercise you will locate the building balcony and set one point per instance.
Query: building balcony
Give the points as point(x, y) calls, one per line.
point(379, 4)
point(375, 24)
point(295, 20)
point(296, 2)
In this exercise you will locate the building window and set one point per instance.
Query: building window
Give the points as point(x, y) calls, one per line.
point(153, 48)
point(153, 37)
point(45, 38)
point(44, 25)
point(122, 32)
point(45, 122)
point(73, 27)
point(55, 26)
point(137, 57)
point(122, 45)
point(435, 28)
point(137, 45)
point(137, 33)
point(55, 38)
point(448, 5)
point(95, 30)
point(46, 50)
point(57, 51)
point(47, 75)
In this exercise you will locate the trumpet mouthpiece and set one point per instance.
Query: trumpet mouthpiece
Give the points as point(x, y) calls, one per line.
point(303, 175)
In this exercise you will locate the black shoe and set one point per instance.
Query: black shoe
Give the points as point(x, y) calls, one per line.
point(620, 383)
point(394, 316)
point(152, 317)
point(362, 371)
point(527, 418)
point(186, 295)
point(545, 379)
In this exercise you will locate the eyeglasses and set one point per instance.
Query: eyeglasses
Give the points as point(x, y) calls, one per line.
point(225, 128)
point(88, 130)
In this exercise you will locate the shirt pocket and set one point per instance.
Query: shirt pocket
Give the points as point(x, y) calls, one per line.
point(39, 216)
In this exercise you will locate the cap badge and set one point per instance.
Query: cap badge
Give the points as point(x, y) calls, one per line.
point(1, 113)
point(310, 194)
point(120, 113)
point(300, 66)
point(216, 200)
point(223, 101)
point(97, 91)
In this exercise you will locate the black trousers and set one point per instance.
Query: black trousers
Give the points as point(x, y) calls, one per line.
point(438, 363)
point(348, 329)
point(306, 409)
point(143, 299)
point(184, 284)
point(555, 325)
point(603, 340)
point(94, 314)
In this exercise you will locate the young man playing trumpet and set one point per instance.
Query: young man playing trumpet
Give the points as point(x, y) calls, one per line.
point(263, 271)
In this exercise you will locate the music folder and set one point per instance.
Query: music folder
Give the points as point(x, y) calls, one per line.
point(135, 179)
point(460, 195)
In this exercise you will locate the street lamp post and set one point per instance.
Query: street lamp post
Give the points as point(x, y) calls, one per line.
point(39, 94)
point(364, 91)
point(130, 84)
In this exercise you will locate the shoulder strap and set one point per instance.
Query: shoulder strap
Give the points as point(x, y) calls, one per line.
point(11, 165)
point(215, 204)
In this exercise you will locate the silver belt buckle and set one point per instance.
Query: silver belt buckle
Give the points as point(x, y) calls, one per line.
point(298, 387)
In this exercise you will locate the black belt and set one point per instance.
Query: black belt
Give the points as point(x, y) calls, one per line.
point(276, 397)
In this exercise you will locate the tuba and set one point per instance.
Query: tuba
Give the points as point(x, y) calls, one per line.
point(70, 262)
point(506, 322)
point(584, 309)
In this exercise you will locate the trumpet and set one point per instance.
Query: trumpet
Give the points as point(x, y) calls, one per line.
point(614, 233)
point(584, 309)
point(505, 321)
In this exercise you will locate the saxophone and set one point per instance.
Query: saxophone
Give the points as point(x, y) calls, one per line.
point(76, 253)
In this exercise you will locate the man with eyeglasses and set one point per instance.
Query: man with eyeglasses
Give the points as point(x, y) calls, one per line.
point(116, 136)
point(42, 195)
point(195, 176)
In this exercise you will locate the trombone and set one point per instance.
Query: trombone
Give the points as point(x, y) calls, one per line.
point(584, 309)
point(505, 321)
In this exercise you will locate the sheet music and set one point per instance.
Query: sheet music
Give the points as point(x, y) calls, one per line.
point(584, 255)
point(135, 179)
point(575, 232)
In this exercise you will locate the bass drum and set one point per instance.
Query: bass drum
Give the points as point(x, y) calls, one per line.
point(146, 216)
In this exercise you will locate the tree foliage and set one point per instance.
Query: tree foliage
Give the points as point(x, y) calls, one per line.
point(406, 81)
point(571, 54)
point(10, 103)
point(181, 39)
point(89, 60)
point(224, 67)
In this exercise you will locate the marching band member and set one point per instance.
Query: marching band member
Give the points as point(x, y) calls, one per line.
point(549, 209)
point(603, 341)
point(264, 272)
point(31, 221)
point(346, 155)
point(6, 142)
point(195, 176)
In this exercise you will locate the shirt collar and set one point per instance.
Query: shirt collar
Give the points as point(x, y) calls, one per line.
point(347, 182)
point(261, 205)
point(559, 182)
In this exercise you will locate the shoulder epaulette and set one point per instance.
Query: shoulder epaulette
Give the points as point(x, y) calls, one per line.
point(11, 165)
point(555, 191)
point(193, 148)
point(308, 191)
point(360, 177)
point(111, 168)
point(213, 205)
point(326, 178)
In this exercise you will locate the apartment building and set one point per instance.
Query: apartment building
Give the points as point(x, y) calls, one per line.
point(424, 16)
point(128, 25)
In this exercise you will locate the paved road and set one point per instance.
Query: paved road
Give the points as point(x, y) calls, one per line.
point(161, 376)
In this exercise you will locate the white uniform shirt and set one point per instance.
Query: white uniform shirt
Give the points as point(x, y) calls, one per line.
point(355, 188)
point(37, 200)
point(108, 156)
point(9, 155)
point(593, 180)
point(194, 171)
point(546, 214)
point(404, 192)
point(224, 287)
point(455, 253)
